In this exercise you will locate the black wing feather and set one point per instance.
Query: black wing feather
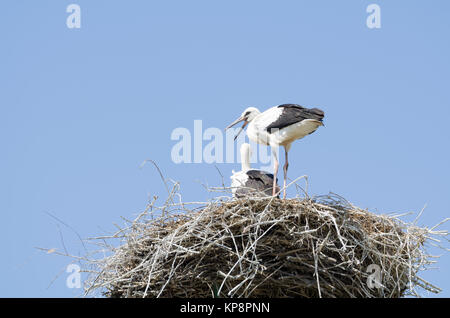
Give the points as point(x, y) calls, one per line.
point(260, 181)
point(293, 113)
point(264, 177)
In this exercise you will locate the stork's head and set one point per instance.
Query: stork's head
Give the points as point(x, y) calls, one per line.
point(247, 116)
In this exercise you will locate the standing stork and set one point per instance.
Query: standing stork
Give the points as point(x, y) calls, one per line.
point(279, 126)
point(251, 181)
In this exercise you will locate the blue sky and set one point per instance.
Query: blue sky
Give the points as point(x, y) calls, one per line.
point(81, 109)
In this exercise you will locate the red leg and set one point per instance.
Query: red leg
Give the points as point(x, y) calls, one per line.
point(275, 172)
point(285, 168)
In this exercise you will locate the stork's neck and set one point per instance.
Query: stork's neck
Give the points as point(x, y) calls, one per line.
point(245, 157)
point(245, 165)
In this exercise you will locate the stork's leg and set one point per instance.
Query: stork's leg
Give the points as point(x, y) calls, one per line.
point(275, 172)
point(285, 168)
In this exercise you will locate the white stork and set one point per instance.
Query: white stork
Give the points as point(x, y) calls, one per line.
point(248, 180)
point(279, 126)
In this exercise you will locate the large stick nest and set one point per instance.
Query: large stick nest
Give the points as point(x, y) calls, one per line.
point(264, 247)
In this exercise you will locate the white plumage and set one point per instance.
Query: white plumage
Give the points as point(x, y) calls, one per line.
point(250, 181)
point(280, 126)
